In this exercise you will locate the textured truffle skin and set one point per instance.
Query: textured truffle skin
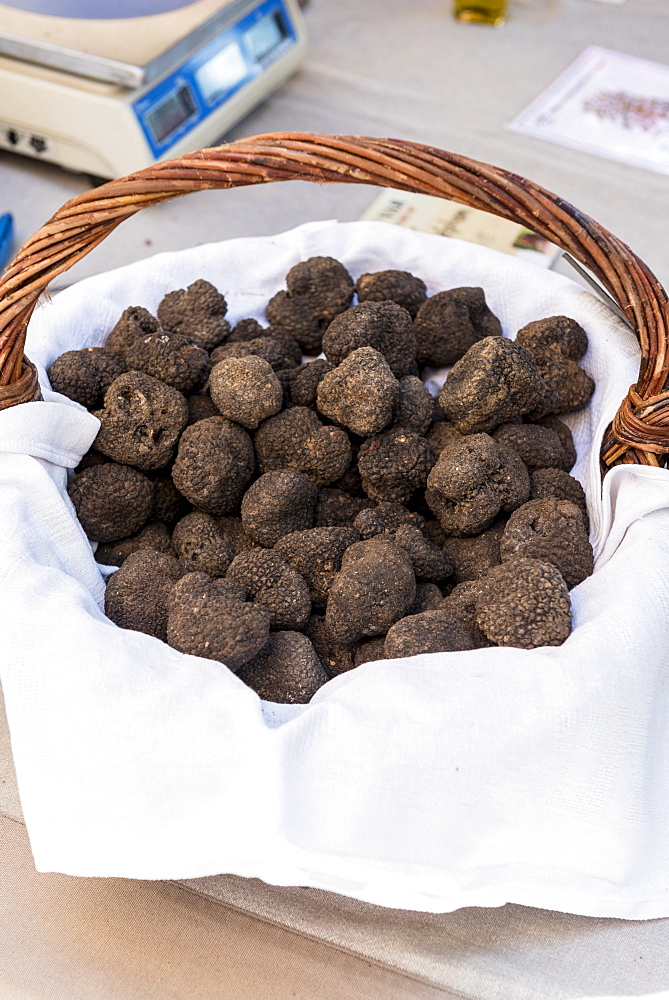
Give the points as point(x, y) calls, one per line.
point(441, 434)
point(555, 331)
point(384, 519)
point(385, 326)
point(473, 480)
point(196, 312)
point(236, 535)
point(394, 464)
point(137, 593)
point(316, 554)
point(335, 658)
point(250, 329)
point(559, 485)
point(564, 433)
point(201, 546)
point(277, 504)
point(141, 421)
point(85, 375)
point(524, 603)
point(428, 598)
point(267, 348)
point(153, 535)
point(539, 447)
point(552, 531)
point(337, 508)
point(111, 501)
point(567, 387)
point(168, 504)
point(134, 322)
point(449, 323)
point(286, 670)
point(245, 390)
point(495, 382)
point(317, 290)
point(369, 651)
point(296, 439)
point(360, 393)
point(273, 583)
point(428, 632)
point(400, 287)
point(415, 406)
point(173, 359)
point(303, 381)
point(214, 464)
point(430, 564)
point(200, 406)
point(204, 620)
point(473, 557)
point(374, 588)
point(462, 602)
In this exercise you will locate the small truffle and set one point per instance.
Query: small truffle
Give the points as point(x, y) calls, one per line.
point(401, 287)
point(317, 290)
point(336, 659)
point(250, 329)
point(552, 531)
point(267, 348)
point(153, 535)
point(461, 602)
point(492, 384)
point(430, 564)
point(414, 408)
point(201, 546)
point(85, 375)
point(273, 583)
point(561, 332)
point(395, 464)
point(286, 670)
point(245, 390)
point(384, 326)
point(168, 504)
point(338, 509)
point(384, 519)
point(303, 381)
point(369, 651)
point(173, 359)
point(316, 554)
point(141, 421)
point(137, 593)
point(558, 485)
point(196, 312)
point(524, 603)
point(135, 322)
point(360, 393)
point(428, 598)
point(111, 501)
point(449, 323)
point(473, 557)
point(539, 447)
point(236, 535)
point(200, 406)
point(214, 464)
point(441, 434)
point(277, 504)
point(429, 632)
point(564, 433)
point(567, 387)
point(297, 439)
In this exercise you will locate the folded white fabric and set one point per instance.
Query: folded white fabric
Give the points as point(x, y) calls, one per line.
point(445, 780)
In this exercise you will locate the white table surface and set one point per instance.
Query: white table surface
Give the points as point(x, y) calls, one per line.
point(387, 68)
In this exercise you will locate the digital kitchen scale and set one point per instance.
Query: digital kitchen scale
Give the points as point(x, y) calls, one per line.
point(110, 95)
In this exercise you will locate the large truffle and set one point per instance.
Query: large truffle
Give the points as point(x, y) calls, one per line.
point(567, 387)
point(286, 670)
point(111, 500)
point(449, 323)
point(316, 554)
point(360, 393)
point(196, 312)
point(385, 326)
point(401, 287)
point(539, 447)
point(85, 375)
point(525, 603)
point(214, 464)
point(552, 531)
point(462, 602)
point(141, 421)
point(153, 535)
point(428, 632)
point(317, 290)
point(374, 588)
point(495, 382)
point(137, 593)
point(277, 504)
point(173, 359)
point(273, 583)
point(201, 545)
point(134, 322)
point(245, 390)
point(395, 464)
point(297, 439)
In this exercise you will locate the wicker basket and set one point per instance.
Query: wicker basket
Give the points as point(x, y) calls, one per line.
point(639, 433)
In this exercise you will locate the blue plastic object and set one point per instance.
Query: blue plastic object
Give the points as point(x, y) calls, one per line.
point(6, 237)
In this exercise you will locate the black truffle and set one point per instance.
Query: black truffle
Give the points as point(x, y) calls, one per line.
point(201, 546)
point(369, 651)
point(335, 658)
point(441, 434)
point(539, 447)
point(137, 593)
point(250, 329)
point(384, 519)
point(414, 408)
point(473, 557)
point(297, 439)
point(303, 381)
point(429, 632)
point(200, 406)
point(273, 583)
point(401, 287)
point(564, 433)
point(85, 375)
point(559, 485)
point(196, 312)
point(561, 332)
point(286, 670)
point(277, 504)
point(111, 501)
point(153, 535)
point(430, 564)
point(245, 390)
point(525, 603)
point(267, 348)
point(384, 326)
point(360, 393)
point(552, 531)
point(337, 508)
point(173, 359)
point(135, 322)
point(317, 290)
point(449, 323)
point(428, 598)
point(214, 464)
point(567, 387)
point(395, 464)
point(462, 602)
point(316, 554)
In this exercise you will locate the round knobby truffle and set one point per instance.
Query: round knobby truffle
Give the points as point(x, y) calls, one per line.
point(317, 290)
point(473, 480)
point(296, 439)
point(267, 348)
point(384, 519)
point(360, 393)
point(214, 464)
point(141, 421)
point(374, 588)
point(205, 620)
point(337, 508)
point(111, 501)
point(492, 384)
point(245, 390)
point(201, 546)
point(175, 360)
point(135, 322)
point(153, 535)
point(430, 564)
point(564, 433)
point(559, 485)
point(303, 381)
point(273, 583)
point(473, 557)
point(395, 464)
point(316, 554)
point(552, 531)
point(555, 331)
point(385, 326)
point(286, 670)
point(429, 632)
point(415, 407)
point(567, 387)
point(401, 287)
point(539, 447)
point(200, 406)
point(449, 323)
point(196, 312)
point(137, 593)
point(277, 504)
point(85, 375)
point(525, 603)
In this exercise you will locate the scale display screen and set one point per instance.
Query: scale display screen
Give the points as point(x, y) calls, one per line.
point(213, 74)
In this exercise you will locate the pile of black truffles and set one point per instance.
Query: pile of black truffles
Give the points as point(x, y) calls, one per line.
point(296, 518)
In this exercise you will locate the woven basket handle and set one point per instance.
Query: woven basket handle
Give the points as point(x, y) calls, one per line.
point(640, 430)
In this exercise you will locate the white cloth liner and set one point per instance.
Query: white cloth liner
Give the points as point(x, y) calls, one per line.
point(431, 783)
